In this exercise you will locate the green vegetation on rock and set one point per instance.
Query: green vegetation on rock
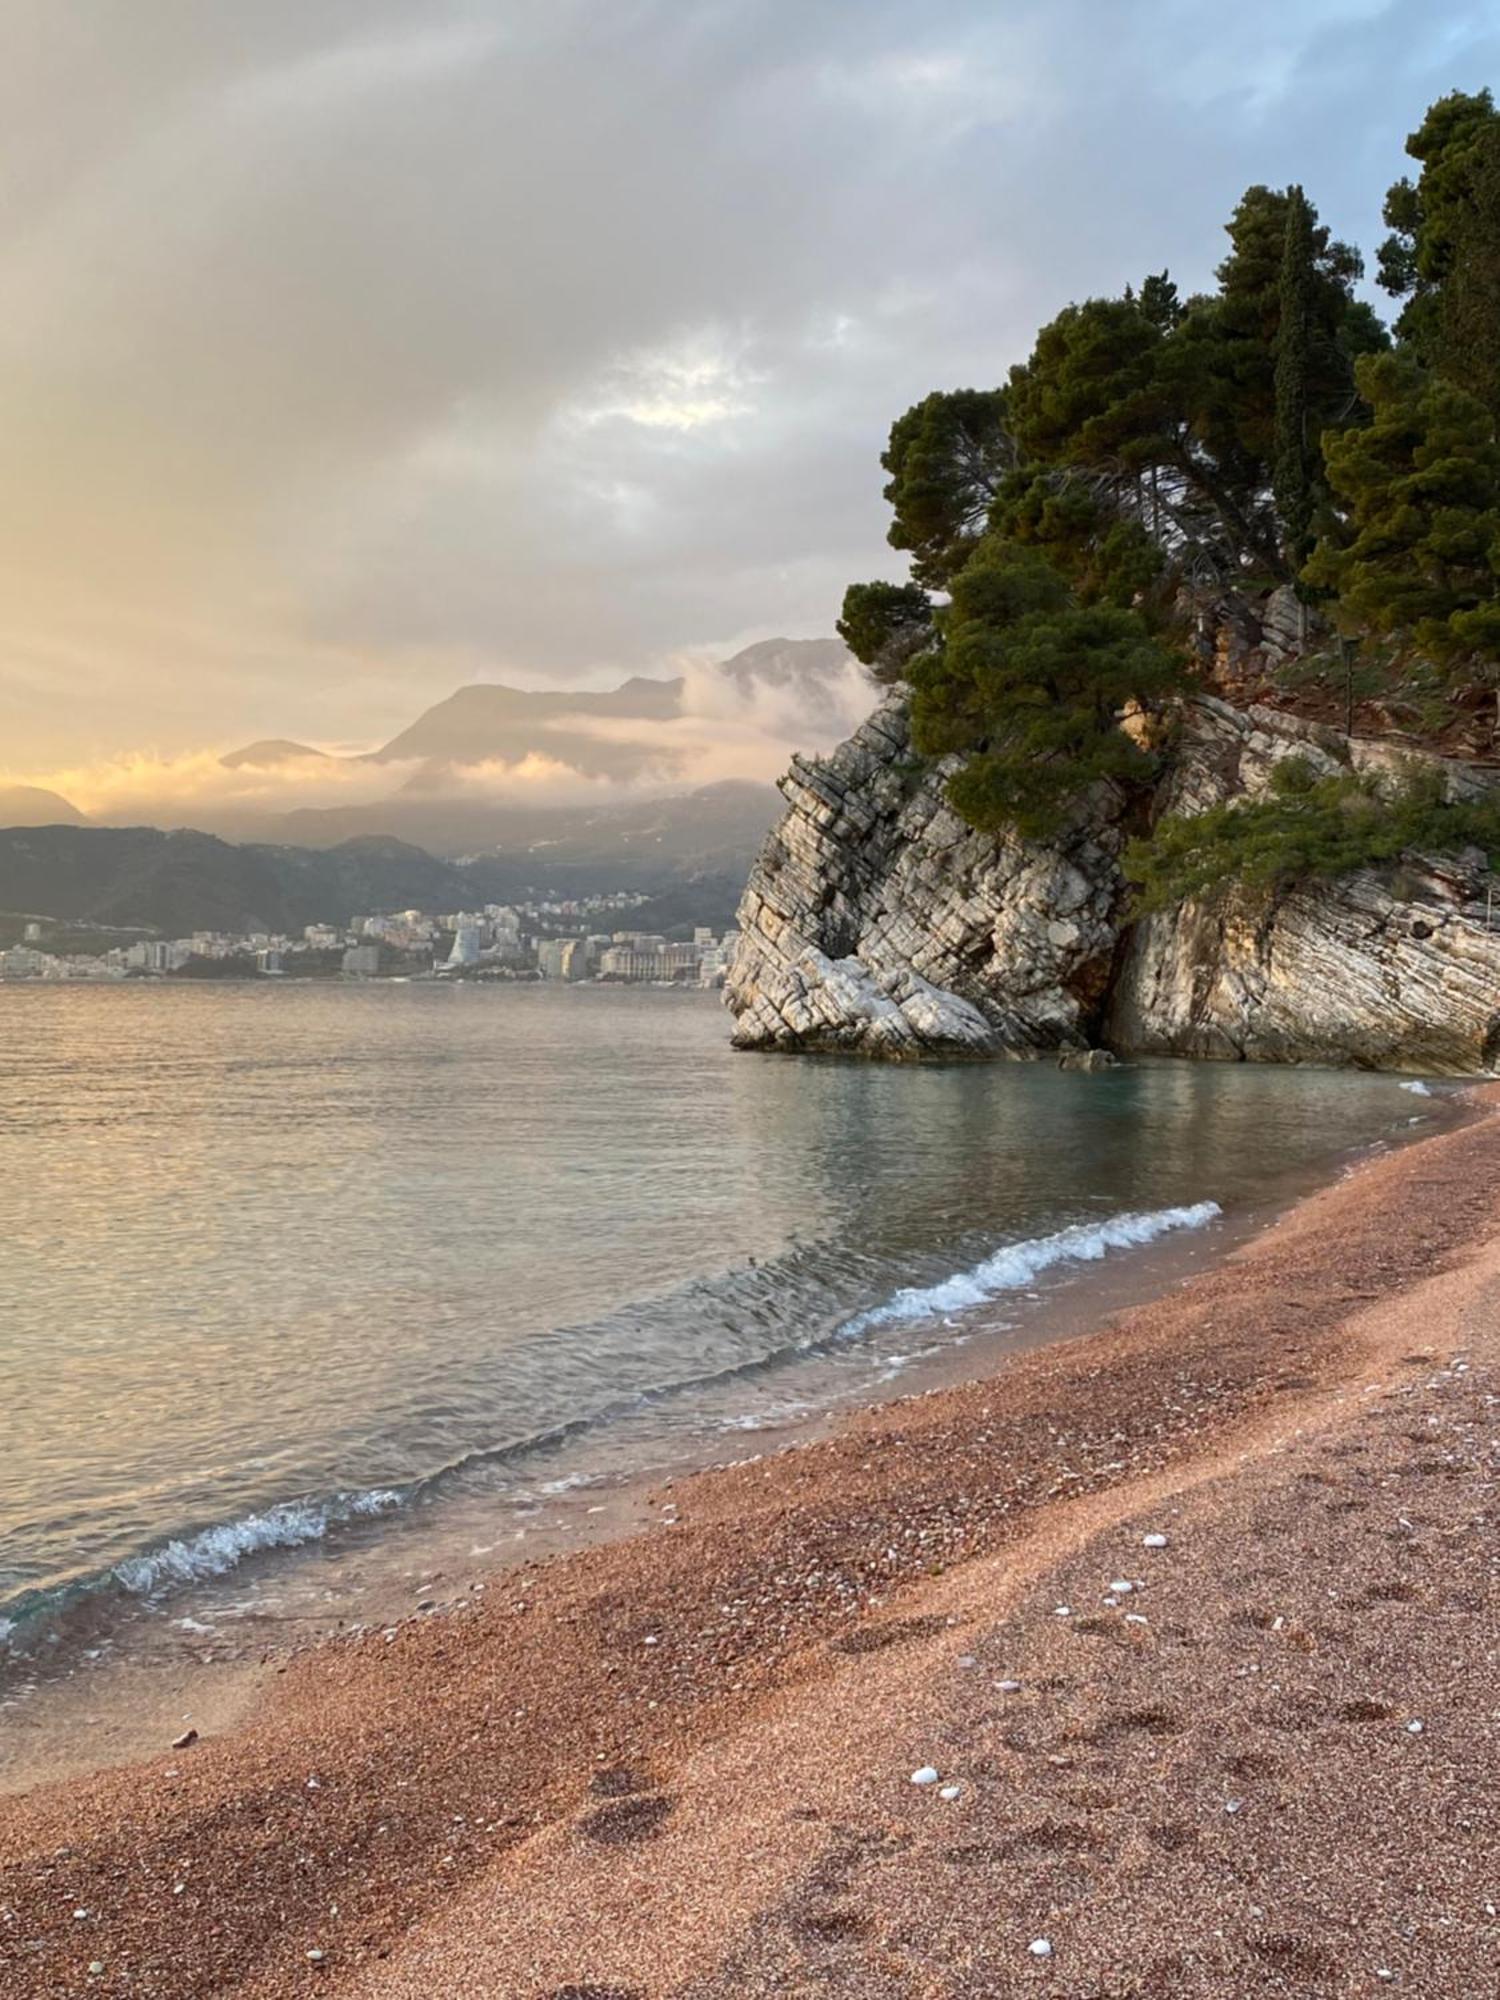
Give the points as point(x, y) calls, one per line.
point(1306, 826)
point(1154, 453)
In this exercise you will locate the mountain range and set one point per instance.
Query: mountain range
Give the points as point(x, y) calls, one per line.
point(144, 879)
point(437, 839)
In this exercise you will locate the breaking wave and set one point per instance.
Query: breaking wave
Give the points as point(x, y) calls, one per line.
point(213, 1551)
point(217, 1549)
point(1018, 1264)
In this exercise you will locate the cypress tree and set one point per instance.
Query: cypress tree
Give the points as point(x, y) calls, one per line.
point(1292, 473)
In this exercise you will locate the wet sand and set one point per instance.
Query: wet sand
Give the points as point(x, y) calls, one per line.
point(680, 1764)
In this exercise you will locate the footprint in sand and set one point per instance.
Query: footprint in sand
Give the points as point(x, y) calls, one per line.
point(621, 1821)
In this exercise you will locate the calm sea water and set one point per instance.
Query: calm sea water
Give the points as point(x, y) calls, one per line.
point(282, 1264)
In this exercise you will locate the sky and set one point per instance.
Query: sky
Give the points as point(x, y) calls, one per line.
point(353, 350)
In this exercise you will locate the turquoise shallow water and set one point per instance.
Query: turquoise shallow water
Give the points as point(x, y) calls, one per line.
point(287, 1263)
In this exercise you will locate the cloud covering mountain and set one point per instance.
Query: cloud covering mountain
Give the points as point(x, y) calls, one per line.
point(354, 352)
point(454, 778)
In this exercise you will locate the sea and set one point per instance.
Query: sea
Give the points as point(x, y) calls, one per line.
point(312, 1291)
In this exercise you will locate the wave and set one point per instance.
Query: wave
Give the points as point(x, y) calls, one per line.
point(219, 1548)
point(1015, 1266)
point(213, 1551)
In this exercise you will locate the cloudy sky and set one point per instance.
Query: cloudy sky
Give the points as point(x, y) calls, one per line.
point(352, 349)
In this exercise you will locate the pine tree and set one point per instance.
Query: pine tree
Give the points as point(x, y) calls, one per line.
point(883, 624)
point(1418, 555)
point(946, 458)
point(1468, 324)
point(1440, 225)
point(1032, 685)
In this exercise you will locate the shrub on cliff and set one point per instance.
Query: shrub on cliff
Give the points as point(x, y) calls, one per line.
point(1031, 684)
point(1305, 826)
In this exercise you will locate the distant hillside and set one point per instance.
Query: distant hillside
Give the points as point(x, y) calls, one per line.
point(715, 827)
point(175, 883)
point(30, 805)
point(693, 852)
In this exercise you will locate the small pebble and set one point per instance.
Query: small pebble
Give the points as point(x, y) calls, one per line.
point(927, 1775)
point(315, 1956)
point(1232, 1805)
point(966, 1660)
point(1040, 1947)
point(1063, 1611)
point(1122, 1586)
point(80, 1914)
point(1153, 1541)
point(1009, 1687)
point(1414, 1728)
point(950, 1791)
point(96, 1966)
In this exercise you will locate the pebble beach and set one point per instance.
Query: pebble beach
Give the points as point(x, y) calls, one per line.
point(1160, 1662)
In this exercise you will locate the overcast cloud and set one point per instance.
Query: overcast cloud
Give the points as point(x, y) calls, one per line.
point(352, 349)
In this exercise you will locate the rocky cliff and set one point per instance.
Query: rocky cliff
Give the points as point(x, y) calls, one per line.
point(876, 923)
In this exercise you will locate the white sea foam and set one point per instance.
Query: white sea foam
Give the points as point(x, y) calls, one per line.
point(215, 1550)
point(1014, 1267)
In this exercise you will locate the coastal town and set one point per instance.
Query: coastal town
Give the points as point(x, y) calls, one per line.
point(565, 941)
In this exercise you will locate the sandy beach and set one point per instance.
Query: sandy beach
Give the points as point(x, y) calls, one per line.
point(1195, 1618)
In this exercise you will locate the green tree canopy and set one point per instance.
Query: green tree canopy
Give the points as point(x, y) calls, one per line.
point(1295, 360)
point(946, 458)
point(1223, 362)
point(1418, 552)
point(1440, 225)
point(882, 619)
point(1078, 522)
point(1032, 685)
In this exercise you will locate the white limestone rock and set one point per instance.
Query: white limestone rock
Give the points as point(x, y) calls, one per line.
point(876, 923)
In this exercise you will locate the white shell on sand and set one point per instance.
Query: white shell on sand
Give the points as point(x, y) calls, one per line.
point(1040, 1947)
point(1153, 1541)
point(927, 1775)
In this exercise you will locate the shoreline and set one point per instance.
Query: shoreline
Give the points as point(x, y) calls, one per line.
point(409, 1765)
point(71, 1711)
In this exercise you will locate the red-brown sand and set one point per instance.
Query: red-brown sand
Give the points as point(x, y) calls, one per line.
point(680, 1765)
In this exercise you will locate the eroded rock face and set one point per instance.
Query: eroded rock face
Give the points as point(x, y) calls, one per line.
point(1399, 972)
point(876, 923)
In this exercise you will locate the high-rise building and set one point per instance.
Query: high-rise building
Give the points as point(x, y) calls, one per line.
point(468, 942)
